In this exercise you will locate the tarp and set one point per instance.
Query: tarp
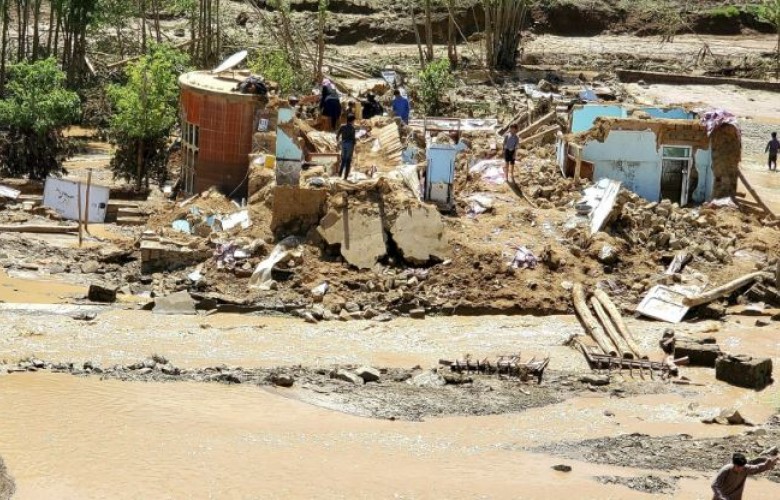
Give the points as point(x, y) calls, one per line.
point(714, 118)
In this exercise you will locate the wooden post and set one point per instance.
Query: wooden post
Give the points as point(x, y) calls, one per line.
point(86, 202)
point(591, 324)
point(78, 201)
point(755, 196)
point(722, 290)
point(606, 322)
point(614, 313)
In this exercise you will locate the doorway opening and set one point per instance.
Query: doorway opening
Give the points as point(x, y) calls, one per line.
point(675, 173)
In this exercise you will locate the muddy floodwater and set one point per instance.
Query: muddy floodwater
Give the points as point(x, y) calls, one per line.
point(64, 436)
point(68, 437)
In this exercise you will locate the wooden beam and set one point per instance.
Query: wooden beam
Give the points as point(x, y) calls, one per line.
point(614, 313)
point(606, 322)
point(723, 290)
point(755, 195)
point(538, 135)
point(591, 324)
point(535, 125)
point(38, 229)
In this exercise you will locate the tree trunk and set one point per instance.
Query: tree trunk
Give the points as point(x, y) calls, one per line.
point(139, 165)
point(428, 32)
point(36, 33)
point(452, 43)
point(143, 29)
point(614, 313)
point(614, 336)
point(320, 41)
point(417, 35)
point(591, 324)
point(52, 8)
point(3, 44)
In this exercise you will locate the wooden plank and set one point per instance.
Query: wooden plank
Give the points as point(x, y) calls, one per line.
point(755, 195)
point(38, 229)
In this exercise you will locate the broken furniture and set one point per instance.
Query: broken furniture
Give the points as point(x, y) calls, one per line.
point(668, 368)
point(510, 365)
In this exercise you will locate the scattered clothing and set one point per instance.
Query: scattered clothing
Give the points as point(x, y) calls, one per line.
point(714, 118)
point(401, 108)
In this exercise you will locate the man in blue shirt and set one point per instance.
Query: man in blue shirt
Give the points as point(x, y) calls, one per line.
point(401, 106)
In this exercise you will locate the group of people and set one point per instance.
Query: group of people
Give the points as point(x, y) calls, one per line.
point(330, 107)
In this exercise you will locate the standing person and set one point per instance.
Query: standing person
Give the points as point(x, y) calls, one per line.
point(772, 148)
point(511, 141)
point(401, 106)
point(330, 105)
point(346, 135)
point(730, 481)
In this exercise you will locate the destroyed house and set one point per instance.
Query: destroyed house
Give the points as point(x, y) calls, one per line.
point(657, 153)
point(217, 127)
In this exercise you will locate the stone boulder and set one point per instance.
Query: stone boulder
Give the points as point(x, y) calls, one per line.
point(698, 354)
point(420, 235)
point(177, 303)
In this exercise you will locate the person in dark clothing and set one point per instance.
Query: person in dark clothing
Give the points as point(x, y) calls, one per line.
point(371, 107)
point(330, 105)
point(772, 148)
point(346, 135)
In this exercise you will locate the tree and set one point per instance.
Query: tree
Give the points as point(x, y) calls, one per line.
point(273, 65)
point(503, 21)
point(36, 108)
point(146, 110)
point(322, 16)
point(770, 12)
point(434, 80)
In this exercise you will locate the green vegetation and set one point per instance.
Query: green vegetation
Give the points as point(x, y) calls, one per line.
point(727, 11)
point(146, 110)
point(770, 12)
point(434, 82)
point(273, 65)
point(36, 108)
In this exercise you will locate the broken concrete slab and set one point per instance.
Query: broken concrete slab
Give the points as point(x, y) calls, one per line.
point(744, 371)
point(359, 233)
point(296, 210)
point(177, 303)
point(420, 235)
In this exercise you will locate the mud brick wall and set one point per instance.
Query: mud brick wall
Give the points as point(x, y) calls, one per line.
point(726, 156)
point(297, 210)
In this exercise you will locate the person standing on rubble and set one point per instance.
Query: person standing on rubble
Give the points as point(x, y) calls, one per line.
point(772, 148)
point(401, 106)
point(346, 135)
point(511, 140)
point(330, 105)
point(730, 481)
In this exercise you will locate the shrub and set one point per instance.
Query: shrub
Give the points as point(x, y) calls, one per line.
point(435, 80)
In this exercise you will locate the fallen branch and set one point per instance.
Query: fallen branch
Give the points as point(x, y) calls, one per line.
point(723, 290)
point(39, 229)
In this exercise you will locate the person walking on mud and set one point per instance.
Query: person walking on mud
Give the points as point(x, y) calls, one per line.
point(729, 484)
point(346, 135)
point(511, 140)
point(772, 148)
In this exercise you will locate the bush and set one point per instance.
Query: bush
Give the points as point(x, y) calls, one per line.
point(146, 110)
point(274, 66)
point(36, 108)
point(435, 80)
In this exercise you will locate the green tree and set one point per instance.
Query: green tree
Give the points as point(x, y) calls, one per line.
point(36, 108)
point(274, 65)
point(146, 110)
point(770, 12)
point(434, 80)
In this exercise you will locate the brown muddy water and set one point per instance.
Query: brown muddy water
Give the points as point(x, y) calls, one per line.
point(73, 438)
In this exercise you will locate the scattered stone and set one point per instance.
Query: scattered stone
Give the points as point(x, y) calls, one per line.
point(344, 315)
point(309, 317)
point(177, 303)
point(348, 376)
point(596, 380)
point(429, 379)
point(608, 254)
point(144, 371)
point(384, 318)
point(562, 468)
point(90, 267)
point(283, 380)
point(368, 374)
point(417, 314)
point(699, 354)
point(727, 417)
point(351, 307)
point(102, 293)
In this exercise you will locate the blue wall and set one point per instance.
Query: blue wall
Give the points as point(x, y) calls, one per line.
point(669, 114)
point(634, 158)
point(583, 117)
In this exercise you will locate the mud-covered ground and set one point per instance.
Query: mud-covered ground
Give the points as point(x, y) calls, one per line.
point(674, 452)
point(396, 394)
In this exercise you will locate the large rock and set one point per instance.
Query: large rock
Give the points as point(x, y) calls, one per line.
point(359, 233)
point(420, 235)
point(348, 376)
point(744, 371)
point(102, 293)
point(698, 354)
point(368, 374)
point(177, 303)
point(429, 379)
